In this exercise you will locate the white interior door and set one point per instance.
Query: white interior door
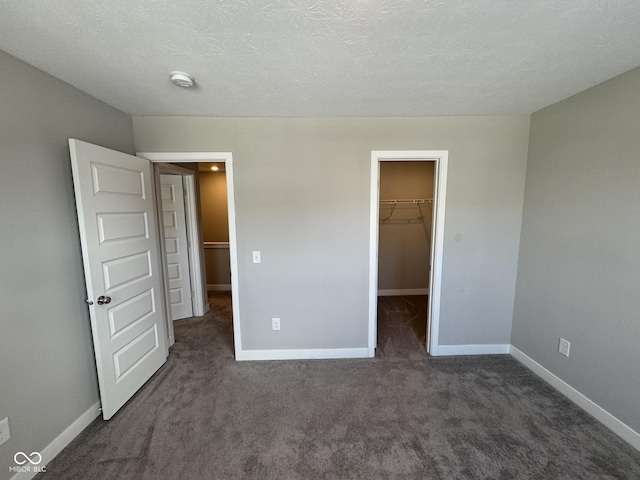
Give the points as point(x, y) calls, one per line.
point(118, 232)
point(175, 236)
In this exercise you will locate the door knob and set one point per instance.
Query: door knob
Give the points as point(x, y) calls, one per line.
point(102, 300)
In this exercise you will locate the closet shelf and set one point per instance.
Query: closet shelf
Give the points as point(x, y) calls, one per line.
point(210, 245)
point(410, 202)
point(407, 201)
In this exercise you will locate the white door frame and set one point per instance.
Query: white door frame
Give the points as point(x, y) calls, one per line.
point(227, 159)
point(441, 158)
point(199, 301)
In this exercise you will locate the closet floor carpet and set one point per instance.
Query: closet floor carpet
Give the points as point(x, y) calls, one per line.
point(205, 416)
point(402, 327)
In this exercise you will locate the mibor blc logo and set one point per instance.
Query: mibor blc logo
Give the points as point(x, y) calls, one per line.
point(27, 463)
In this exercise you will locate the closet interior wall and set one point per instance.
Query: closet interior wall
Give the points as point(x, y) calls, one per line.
point(405, 227)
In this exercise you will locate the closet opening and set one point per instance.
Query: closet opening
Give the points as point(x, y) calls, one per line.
point(407, 231)
point(404, 257)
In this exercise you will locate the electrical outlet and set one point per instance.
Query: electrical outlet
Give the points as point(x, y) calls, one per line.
point(564, 346)
point(275, 324)
point(5, 431)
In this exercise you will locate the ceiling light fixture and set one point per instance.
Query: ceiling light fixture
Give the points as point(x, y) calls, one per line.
point(215, 168)
point(182, 79)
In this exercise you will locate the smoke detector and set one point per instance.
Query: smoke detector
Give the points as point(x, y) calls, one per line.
point(182, 79)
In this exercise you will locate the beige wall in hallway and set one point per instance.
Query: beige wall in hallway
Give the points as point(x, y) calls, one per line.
point(213, 202)
point(215, 227)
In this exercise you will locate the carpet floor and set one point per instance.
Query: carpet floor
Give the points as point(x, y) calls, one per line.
point(402, 327)
point(205, 416)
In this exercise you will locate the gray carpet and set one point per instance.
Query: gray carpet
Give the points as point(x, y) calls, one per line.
point(402, 327)
point(205, 416)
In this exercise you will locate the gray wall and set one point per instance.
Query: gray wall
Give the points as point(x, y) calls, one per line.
point(404, 243)
point(579, 266)
point(302, 198)
point(47, 370)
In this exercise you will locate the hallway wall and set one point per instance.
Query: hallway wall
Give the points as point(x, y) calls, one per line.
point(215, 228)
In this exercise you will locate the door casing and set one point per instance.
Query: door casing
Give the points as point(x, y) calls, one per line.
point(441, 158)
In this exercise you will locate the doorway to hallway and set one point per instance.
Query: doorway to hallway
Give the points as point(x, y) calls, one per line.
point(190, 161)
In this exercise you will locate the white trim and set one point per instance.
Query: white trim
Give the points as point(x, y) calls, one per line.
point(614, 424)
point(199, 299)
point(233, 255)
point(168, 319)
point(193, 234)
point(374, 214)
point(62, 440)
point(397, 292)
point(227, 158)
point(305, 354)
point(481, 349)
point(441, 159)
point(198, 296)
point(185, 157)
point(218, 287)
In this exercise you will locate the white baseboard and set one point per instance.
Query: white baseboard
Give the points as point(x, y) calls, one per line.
point(396, 292)
point(471, 349)
point(62, 440)
point(218, 287)
point(306, 354)
point(617, 426)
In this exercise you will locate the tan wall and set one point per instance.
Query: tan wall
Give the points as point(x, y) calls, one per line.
point(215, 226)
point(404, 241)
point(213, 202)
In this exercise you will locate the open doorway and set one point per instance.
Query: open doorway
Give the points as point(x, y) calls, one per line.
point(404, 257)
point(215, 234)
point(171, 169)
point(408, 191)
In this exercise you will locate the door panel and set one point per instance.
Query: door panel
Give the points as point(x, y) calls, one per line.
point(175, 235)
point(117, 223)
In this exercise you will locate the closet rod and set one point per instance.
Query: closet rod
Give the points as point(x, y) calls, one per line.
point(410, 201)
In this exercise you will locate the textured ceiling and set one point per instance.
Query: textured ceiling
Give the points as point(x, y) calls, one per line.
point(326, 57)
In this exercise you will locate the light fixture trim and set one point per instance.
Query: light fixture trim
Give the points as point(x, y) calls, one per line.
point(182, 79)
